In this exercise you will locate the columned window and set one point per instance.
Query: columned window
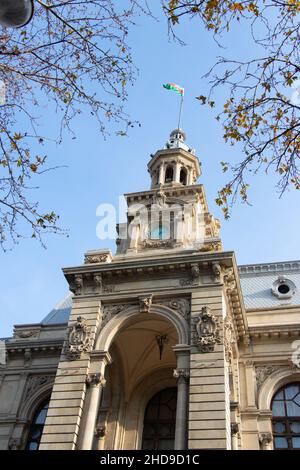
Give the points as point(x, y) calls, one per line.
point(160, 421)
point(286, 417)
point(37, 426)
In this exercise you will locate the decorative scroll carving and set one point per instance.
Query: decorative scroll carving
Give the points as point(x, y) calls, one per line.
point(159, 243)
point(206, 331)
point(34, 382)
point(145, 304)
point(214, 246)
point(24, 334)
point(110, 311)
point(229, 338)
point(97, 258)
point(263, 372)
point(182, 306)
point(78, 340)
point(229, 279)
point(182, 375)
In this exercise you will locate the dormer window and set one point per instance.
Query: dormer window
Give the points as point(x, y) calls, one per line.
point(283, 288)
point(169, 174)
point(183, 176)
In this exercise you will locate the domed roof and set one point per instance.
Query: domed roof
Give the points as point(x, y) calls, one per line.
point(178, 134)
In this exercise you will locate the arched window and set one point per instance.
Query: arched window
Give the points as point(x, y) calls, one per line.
point(37, 426)
point(160, 420)
point(286, 417)
point(169, 174)
point(183, 176)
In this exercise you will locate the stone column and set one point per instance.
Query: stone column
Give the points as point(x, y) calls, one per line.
point(161, 178)
point(96, 382)
point(177, 171)
point(181, 373)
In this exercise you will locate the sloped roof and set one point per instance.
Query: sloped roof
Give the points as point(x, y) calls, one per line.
point(257, 281)
point(60, 313)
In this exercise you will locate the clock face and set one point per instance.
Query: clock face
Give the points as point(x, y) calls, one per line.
point(160, 233)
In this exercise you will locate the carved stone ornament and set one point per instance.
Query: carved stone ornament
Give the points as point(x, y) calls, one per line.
point(217, 270)
point(229, 279)
point(145, 304)
point(100, 431)
point(159, 243)
point(265, 438)
point(95, 380)
point(77, 285)
point(214, 246)
point(263, 372)
point(182, 306)
point(97, 258)
point(34, 382)
point(109, 311)
point(195, 271)
point(78, 340)
point(24, 334)
point(186, 282)
point(229, 338)
point(98, 282)
point(206, 331)
point(182, 375)
point(15, 443)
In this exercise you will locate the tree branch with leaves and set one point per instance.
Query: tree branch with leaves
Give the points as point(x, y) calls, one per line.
point(67, 49)
point(262, 111)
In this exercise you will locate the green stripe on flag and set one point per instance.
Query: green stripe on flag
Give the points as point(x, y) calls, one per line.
point(174, 87)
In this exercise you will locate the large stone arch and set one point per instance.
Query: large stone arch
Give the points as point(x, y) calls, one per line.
point(116, 324)
point(274, 382)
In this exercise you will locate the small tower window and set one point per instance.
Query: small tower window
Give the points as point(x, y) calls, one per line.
point(169, 175)
point(183, 176)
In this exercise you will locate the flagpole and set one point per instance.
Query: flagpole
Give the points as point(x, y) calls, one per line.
point(180, 110)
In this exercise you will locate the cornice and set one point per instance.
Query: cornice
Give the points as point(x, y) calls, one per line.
point(140, 265)
point(270, 268)
point(274, 331)
point(168, 191)
point(19, 346)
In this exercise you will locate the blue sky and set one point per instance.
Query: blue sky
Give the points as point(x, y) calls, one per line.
point(100, 171)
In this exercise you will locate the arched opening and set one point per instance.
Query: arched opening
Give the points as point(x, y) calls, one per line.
point(183, 176)
point(160, 421)
point(169, 174)
point(37, 426)
point(143, 357)
point(286, 417)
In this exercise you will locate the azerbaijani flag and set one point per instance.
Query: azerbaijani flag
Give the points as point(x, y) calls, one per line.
point(174, 87)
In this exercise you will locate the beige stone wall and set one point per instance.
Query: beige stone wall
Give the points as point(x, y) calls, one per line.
point(208, 399)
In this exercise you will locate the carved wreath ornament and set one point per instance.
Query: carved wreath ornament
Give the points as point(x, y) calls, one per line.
point(78, 340)
point(206, 331)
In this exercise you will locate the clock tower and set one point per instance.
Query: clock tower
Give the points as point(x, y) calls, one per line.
point(151, 352)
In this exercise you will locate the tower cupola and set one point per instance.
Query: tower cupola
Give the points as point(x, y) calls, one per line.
point(175, 164)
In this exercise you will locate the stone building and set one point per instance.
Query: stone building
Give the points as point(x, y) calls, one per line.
point(166, 344)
